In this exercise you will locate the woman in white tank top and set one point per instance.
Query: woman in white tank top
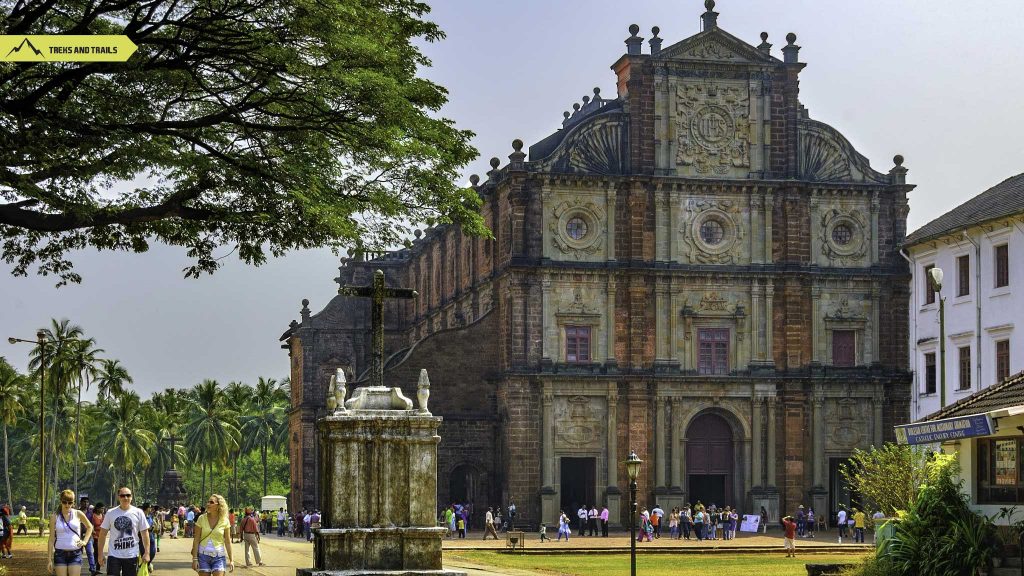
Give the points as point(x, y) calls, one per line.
point(69, 531)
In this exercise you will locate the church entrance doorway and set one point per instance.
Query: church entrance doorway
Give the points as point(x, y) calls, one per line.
point(578, 484)
point(839, 492)
point(710, 461)
point(464, 486)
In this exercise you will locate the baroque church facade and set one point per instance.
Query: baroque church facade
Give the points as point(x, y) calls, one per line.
point(694, 270)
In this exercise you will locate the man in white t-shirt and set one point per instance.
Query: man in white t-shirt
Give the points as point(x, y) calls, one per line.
point(282, 521)
point(841, 523)
point(128, 527)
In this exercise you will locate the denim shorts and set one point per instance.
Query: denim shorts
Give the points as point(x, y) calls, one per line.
point(212, 563)
point(67, 557)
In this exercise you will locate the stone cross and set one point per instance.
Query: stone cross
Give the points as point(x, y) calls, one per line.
point(171, 440)
point(378, 291)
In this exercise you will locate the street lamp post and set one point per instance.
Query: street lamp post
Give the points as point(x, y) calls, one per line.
point(935, 276)
point(41, 341)
point(632, 469)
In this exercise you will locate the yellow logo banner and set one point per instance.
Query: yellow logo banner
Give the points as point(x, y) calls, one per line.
point(65, 48)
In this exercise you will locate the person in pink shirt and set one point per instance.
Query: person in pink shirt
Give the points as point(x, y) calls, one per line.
point(604, 521)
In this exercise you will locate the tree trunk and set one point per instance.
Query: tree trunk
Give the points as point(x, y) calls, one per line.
point(203, 490)
point(263, 456)
point(78, 432)
point(7, 476)
point(237, 501)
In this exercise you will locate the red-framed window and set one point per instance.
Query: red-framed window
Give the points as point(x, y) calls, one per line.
point(844, 348)
point(577, 344)
point(713, 352)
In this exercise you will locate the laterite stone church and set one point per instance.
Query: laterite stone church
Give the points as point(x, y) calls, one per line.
point(694, 269)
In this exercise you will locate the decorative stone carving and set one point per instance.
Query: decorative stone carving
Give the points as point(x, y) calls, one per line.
point(578, 306)
point(843, 236)
point(593, 147)
point(713, 127)
point(848, 422)
point(579, 422)
point(337, 392)
point(825, 155)
point(843, 310)
point(712, 231)
point(585, 236)
point(712, 50)
point(714, 302)
point(423, 391)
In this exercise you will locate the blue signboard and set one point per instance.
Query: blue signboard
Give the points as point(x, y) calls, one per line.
point(942, 430)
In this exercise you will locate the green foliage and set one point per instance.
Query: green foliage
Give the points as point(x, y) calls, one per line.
point(262, 125)
point(939, 535)
point(889, 477)
point(870, 566)
point(123, 438)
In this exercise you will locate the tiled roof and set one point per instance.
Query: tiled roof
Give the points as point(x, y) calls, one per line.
point(1009, 392)
point(1003, 199)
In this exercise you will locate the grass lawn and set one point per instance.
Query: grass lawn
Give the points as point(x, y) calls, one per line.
point(773, 564)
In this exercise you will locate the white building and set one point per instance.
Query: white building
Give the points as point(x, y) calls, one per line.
point(979, 246)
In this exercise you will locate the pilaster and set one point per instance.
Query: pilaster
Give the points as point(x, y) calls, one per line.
point(769, 206)
point(769, 297)
point(610, 322)
point(757, 422)
point(659, 434)
point(874, 227)
point(771, 449)
point(610, 200)
point(818, 444)
point(817, 334)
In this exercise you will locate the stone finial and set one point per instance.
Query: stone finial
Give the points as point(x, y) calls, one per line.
point(493, 172)
point(517, 157)
point(790, 54)
point(417, 233)
point(474, 179)
point(304, 313)
point(898, 174)
point(423, 391)
point(655, 42)
point(634, 43)
point(710, 17)
point(337, 391)
point(764, 46)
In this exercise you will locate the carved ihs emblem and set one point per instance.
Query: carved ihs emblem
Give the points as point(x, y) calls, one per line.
point(846, 430)
point(577, 424)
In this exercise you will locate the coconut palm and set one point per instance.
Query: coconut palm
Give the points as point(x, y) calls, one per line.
point(125, 439)
point(238, 396)
point(12, 405)
point(262, 428)
point(111, 379)
point(210, 434)
point(82, 352)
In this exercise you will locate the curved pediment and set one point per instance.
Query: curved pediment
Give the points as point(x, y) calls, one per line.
point(716, 45)
point(596, 145)
point(825, 155)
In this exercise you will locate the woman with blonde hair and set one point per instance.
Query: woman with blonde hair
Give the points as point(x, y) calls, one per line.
point(71, 531)
point(211, 544)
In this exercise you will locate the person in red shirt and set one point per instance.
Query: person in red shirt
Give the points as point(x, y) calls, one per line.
point(789, 539)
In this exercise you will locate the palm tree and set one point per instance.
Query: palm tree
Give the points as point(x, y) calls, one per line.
point(237, 395)
point(210, 435)
point(262, 429)
point(12, 405)
point(111, 379)
point(126, 441)
point(84, 353)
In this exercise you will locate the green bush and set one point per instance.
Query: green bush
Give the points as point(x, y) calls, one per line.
point(871, 566)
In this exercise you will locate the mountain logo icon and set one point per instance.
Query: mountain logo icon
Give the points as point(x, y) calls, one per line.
point(24, 42)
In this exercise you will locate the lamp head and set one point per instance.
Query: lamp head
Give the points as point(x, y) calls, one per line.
point(936, 278)
point(633, 465)
point(12, 340)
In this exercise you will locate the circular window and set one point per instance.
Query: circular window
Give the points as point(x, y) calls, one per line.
point(842, 234)
point(576, 228)
point(712, 232)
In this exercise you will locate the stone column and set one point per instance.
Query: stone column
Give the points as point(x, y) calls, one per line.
point(770, 451)
point(755, 320)
point(817, 335)
point(673, 320)
point(815, 227)
point(769, 296)
point(609, 234)
point(818, 444)
point(747, 472)
point(659, 225)
point(613, 493)
point(546, 321)
point(877, 402)
point(659, 439)
point(682, 460)
point(677, 444)
point(661, 314)
point(873, 330)
point(769, 205)
point(874, 227)
point(756, 228)
point(547, 434)
point(757, 422)
point(610, 321)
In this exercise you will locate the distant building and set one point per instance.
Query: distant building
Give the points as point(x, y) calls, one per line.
point(979, 246)
point(693, 269)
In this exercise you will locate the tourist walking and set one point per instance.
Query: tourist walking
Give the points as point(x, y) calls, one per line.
point(581, 517)
point(96, 517)
point(698, 524)
point(489, 525)
point(685, 522)
point(656, 515)
point(127, 528)
point(789, 536)
point(174, 526)
point(71, 530)
point(251, 537)
point(673, 524)
point(23, 522)
point(801, 521)
point(563, 526)
point(764, 520)
point(592, 515)
point(282, 521)
point(811, 521)
point(841, 522)
point(6, 533)
point(604, 521)
point(859, 524)
point(211, 545)
point(147, 511)
point(646, 528)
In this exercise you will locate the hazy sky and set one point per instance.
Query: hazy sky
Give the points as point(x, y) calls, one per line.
point(935, 80)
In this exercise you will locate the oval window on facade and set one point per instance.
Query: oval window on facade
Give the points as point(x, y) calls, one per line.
point(842, 234)
point(576, 228)
point(712, 232)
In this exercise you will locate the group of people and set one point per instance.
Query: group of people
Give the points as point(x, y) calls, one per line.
point(456, 520)
point(588, 518)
